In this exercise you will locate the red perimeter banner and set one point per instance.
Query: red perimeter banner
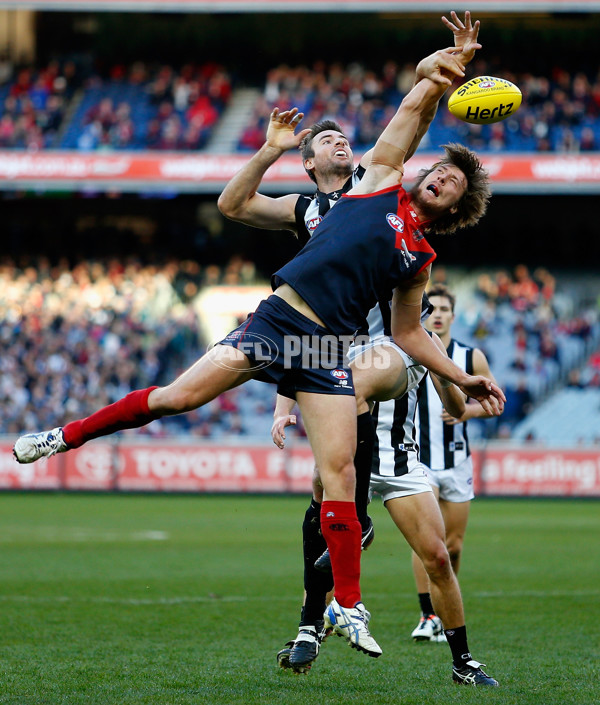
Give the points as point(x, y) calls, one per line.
point(207, 467)
point(301, 5)
point(127, 171)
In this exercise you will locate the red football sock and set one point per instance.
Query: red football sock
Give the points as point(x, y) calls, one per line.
point(130, 412)
point(341, 529)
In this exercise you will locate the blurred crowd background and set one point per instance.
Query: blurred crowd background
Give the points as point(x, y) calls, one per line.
point(64, 105)
point(90, 332)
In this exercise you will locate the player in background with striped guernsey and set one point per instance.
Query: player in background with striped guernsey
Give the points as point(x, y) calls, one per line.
point(445, 453)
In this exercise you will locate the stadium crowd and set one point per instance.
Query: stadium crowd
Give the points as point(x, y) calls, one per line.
point(92, 331)
point(131, 107)
point(143, 106)
point(560, 111)
point(535, 333)
point(34, 103)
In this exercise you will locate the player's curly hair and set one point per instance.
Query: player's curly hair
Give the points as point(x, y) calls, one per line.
point(473, 204)
point(442, 290)
point(305, 146)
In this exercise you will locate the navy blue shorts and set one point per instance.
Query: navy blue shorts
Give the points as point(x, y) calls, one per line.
point(288, 349)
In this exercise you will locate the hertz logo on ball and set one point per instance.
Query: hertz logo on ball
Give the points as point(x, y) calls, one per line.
point(484, 100)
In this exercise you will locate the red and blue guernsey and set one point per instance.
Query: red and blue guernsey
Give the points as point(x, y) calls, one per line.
point(359, 253)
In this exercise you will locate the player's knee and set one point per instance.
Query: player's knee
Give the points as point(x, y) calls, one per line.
point(339, 478)
point(437, 562)
point(346, 474)
point(346, 470)
point(173, 400)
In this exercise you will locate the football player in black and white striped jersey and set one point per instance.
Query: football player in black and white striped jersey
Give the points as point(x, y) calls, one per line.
point(445, 453)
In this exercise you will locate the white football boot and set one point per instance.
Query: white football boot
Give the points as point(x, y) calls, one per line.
point(352, 623)
point(34, 446)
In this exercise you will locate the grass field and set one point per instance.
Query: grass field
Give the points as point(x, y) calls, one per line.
point(160, 599)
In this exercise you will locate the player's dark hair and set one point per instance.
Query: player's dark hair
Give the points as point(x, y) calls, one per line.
point(473, 204)
point(442, 290)
point(306, 145)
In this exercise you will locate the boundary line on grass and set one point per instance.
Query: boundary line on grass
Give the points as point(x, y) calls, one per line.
point(143, 601)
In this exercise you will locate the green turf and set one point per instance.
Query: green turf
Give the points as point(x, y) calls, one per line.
point(158, 599)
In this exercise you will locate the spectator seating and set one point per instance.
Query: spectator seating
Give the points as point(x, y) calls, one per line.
point(569, 417)
point(560, 111)
point(34, 104)
point(73, 338)
point(532, 345)
point(143, 107)
point(132, 110)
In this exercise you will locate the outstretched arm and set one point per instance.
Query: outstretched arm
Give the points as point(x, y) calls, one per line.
point(410, 335)
point(391, 149)
point(442, 67)
point(240, 200)
point(418, 104)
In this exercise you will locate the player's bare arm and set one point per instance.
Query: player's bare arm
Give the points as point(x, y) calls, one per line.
point(442, 67)
point(282, 418)
point(390, 152)
point(240, 199)
point(452, 398)
point(410, 335)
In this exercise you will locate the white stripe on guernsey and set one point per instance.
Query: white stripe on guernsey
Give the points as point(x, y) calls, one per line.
point(401, 428)
point(436, 425)
point(312, 211)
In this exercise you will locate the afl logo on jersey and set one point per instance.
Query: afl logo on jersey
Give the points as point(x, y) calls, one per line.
point(339, 374)
point(395, 222)
point(313, 222)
